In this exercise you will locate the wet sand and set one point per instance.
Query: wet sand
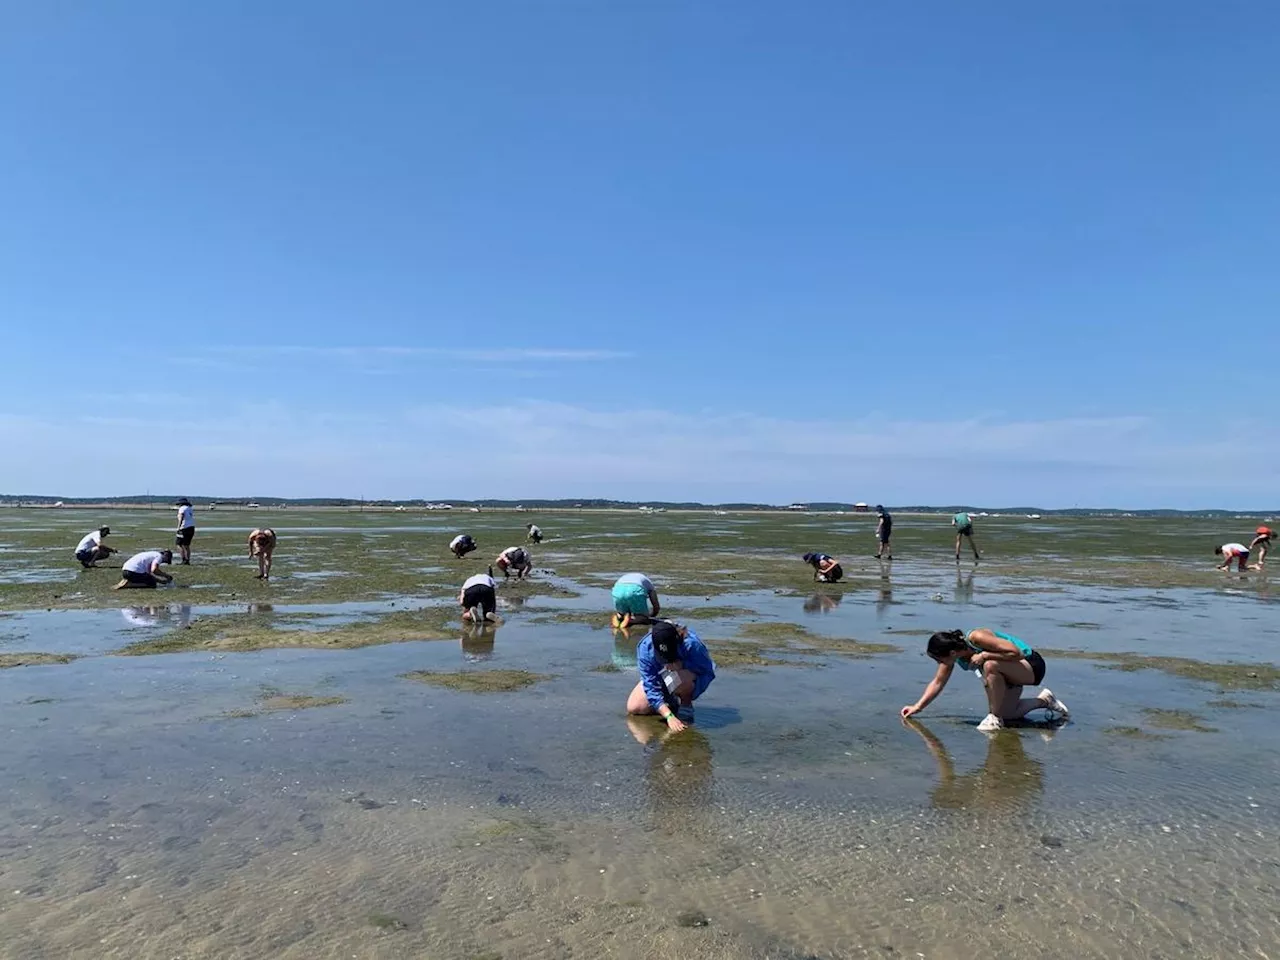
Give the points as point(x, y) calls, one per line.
point(293, 802)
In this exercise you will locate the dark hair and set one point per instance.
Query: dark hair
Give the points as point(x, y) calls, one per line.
point(946, 642)
point(104, 531)
point(809, 557)
point(666, 641)
point(1218, 551)
point(166, 556)
point(491, 571)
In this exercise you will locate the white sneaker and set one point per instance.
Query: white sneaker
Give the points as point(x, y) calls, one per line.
point(992, 722)
point(477, 615)
point(1055, 708)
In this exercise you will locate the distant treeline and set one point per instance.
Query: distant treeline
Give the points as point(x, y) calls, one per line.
point(589, 504)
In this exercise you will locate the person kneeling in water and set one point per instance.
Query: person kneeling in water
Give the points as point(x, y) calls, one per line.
point(479, 598)
point(632, 596)
point(262, 544)
point(675, 670)
point(143, 570)
point(1005, 665)
point(825, 569)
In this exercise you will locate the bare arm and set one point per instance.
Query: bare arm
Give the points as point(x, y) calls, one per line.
point(160, 574)
point(653, 598)
point(992, 647)
point(935, 687)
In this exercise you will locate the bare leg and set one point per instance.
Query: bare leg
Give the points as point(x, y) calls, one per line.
point(974, 545)
point(1002, 676)
point(638, 703)
point(266, 571)
point(959, 537)
point(1015, 706)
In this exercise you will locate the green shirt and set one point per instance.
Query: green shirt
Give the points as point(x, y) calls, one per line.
point(962, 520)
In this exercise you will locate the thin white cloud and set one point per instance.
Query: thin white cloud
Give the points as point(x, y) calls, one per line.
point(362, 354)
point(541, 449)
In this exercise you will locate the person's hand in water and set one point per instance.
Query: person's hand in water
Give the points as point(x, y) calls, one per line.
point(674, 723)
point(909, 711)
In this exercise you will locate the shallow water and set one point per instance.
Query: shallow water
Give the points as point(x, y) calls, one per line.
point(156, 807)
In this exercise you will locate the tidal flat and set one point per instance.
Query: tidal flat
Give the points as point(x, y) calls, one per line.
point(330, 764)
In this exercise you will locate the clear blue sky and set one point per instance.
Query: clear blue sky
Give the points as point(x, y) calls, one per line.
point(929, 252)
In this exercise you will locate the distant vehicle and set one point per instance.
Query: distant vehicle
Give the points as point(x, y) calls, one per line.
point(252, 506)
point(722, 513)
point(798, 506)
point(475, 509)
point(59, 504)
point(1033, 516)
point(399, 509)
point(519, 508)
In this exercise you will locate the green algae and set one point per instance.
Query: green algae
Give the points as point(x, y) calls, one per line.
point(33, 659)
point(479, 681)
point(1227, 676)
point(244, 632)
point(273, 701)
point(385, 921)
point(1176, 720)
point(791, 637)
point(1228, 704)
point(1133, 733)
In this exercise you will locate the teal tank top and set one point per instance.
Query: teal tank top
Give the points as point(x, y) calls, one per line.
point(1023, 647)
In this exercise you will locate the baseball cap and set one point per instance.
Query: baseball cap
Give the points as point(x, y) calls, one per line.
point(666, 641)
point(184, 502)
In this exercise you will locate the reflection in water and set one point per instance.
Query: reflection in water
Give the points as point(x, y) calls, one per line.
point(176, 614)
point(822, 602)
point(624, 650)
point(964, 587)
point(678, 774)
point(477, 641)
point(885, 597)
point(513, 601)
point(260, 608)
point(1007, 780)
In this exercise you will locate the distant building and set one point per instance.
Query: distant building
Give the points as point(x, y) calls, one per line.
point(798, 506)
point(860, 508)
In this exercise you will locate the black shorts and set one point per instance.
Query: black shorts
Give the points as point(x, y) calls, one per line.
point(481, 596)
point(884, 535)
point(965, 531)
point(140, 579)
point(185, 536)
point(1037, 667)
point(87, 557)
point(834, 574)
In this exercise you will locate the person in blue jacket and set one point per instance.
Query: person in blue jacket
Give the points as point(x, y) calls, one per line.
point(675, 670)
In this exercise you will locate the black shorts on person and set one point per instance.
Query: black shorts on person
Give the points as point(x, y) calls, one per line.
point(1037, 667)
point(481, 596)
point(834, 574)
point(136, 579)
point(185, 536)
point(87, 557)
point(965, 531)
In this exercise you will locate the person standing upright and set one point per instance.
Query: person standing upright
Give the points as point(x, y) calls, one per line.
point(186, 529)
point(884, 529)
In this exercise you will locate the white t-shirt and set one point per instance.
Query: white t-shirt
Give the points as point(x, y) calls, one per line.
point(479, 580)
point(141, 562)
point(457, 541)
point(186, 517)
point(1234, 549)
point(515, 556)
point(639, 578)
point(535, 531)
point(90, 542)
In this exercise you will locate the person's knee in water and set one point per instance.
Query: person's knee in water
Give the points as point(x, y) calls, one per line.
point(1005, 665)
point(825, 569)
point(675, 669)
point(635, 601)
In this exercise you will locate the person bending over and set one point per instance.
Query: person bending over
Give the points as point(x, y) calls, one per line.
point(825, 569)
point(633, 596)
point(534, 532)
point(91, 549)
point(1236, 553)
point(262, 544)
point(515, 560)
point(142, 570)
point(675, 670)
point(1262, 543)
point(1005, 665)
point(462, 544)
point(479, 598)
point(963, 523)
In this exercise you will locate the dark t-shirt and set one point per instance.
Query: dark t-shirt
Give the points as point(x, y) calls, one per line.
point(886, 524)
